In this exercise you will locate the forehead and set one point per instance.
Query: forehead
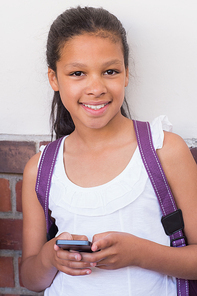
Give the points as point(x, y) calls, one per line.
point(96, 46)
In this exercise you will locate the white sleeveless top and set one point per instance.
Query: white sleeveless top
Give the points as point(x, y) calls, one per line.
point(128, 204)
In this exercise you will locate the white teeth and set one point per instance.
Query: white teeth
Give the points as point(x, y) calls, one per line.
point(95, 107)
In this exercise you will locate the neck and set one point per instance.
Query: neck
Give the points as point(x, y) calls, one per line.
point(99, 138)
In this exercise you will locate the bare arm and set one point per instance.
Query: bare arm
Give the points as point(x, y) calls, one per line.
point(41, 260)
point(35, 264)
point(122, 249)
point(181, 172)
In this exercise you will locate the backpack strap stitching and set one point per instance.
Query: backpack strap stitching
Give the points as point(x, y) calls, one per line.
point(49, 181)
point(44, 176)
point(160, 168)
point(167, 201)
point(147, 168)
point(40, 167)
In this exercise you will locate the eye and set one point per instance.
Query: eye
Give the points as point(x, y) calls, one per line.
point(111, 72)
point(77, 73)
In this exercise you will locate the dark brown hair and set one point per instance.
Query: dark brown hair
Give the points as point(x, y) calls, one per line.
point(73, 22)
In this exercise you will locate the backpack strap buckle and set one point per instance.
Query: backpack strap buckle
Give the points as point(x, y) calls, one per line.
point(173, 222)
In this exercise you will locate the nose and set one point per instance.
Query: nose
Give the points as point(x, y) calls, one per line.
point(95, 86)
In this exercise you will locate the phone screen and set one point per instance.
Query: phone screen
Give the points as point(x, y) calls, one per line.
point(75, 245)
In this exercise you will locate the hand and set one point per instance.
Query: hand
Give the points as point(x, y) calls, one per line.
point(70, 262)
point(115, 250)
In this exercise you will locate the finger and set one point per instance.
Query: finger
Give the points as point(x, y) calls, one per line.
point(74, 264)
point(79, 237)
point(73, 267)
point(104, 267)
point(75, 271)
point(102, 243)
point(68, 255)
point(94, 258)
point(108, 263)
point(65, 235)
point(99, 236)
point(78, 272)
point(56, 248)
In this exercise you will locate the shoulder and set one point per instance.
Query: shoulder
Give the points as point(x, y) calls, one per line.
point(179, 166)
point(174, 149)
point(171, 139)
point(31, 168)
point(177, 160)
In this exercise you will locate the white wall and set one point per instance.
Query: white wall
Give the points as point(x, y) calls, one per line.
point(163, 40)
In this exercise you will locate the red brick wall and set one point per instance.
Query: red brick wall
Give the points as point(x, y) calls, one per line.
point(13, 157)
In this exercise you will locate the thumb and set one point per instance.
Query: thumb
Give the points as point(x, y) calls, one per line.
point(63, 235)
point(101, 241)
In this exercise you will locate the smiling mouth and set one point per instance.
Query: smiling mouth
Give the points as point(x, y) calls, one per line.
point(95, 107)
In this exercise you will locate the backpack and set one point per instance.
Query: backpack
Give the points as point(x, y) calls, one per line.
point(172, 219)
point(43, 182)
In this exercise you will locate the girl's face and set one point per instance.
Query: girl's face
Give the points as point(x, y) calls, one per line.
point(91, 79)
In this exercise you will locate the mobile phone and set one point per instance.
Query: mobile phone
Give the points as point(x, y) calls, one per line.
point(75, 245)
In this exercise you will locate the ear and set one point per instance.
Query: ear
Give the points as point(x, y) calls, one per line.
point(53, 79)
point(127, 77)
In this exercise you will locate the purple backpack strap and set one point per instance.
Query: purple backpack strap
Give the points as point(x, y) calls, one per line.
point(44, 176)
point(172, 218)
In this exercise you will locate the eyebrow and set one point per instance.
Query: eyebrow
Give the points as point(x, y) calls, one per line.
point(116, 61)
point(108, 63)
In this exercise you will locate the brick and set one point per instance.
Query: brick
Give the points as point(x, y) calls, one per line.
point(6, 272)
point(43, 143)
point(19, 196)
point(14, 155)
point(5, 195)
point(194, 153)
point(11, 234)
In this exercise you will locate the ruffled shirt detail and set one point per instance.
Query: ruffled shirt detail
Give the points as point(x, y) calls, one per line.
point(109, 197)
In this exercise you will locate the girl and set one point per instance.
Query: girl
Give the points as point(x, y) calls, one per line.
point(100, 190)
